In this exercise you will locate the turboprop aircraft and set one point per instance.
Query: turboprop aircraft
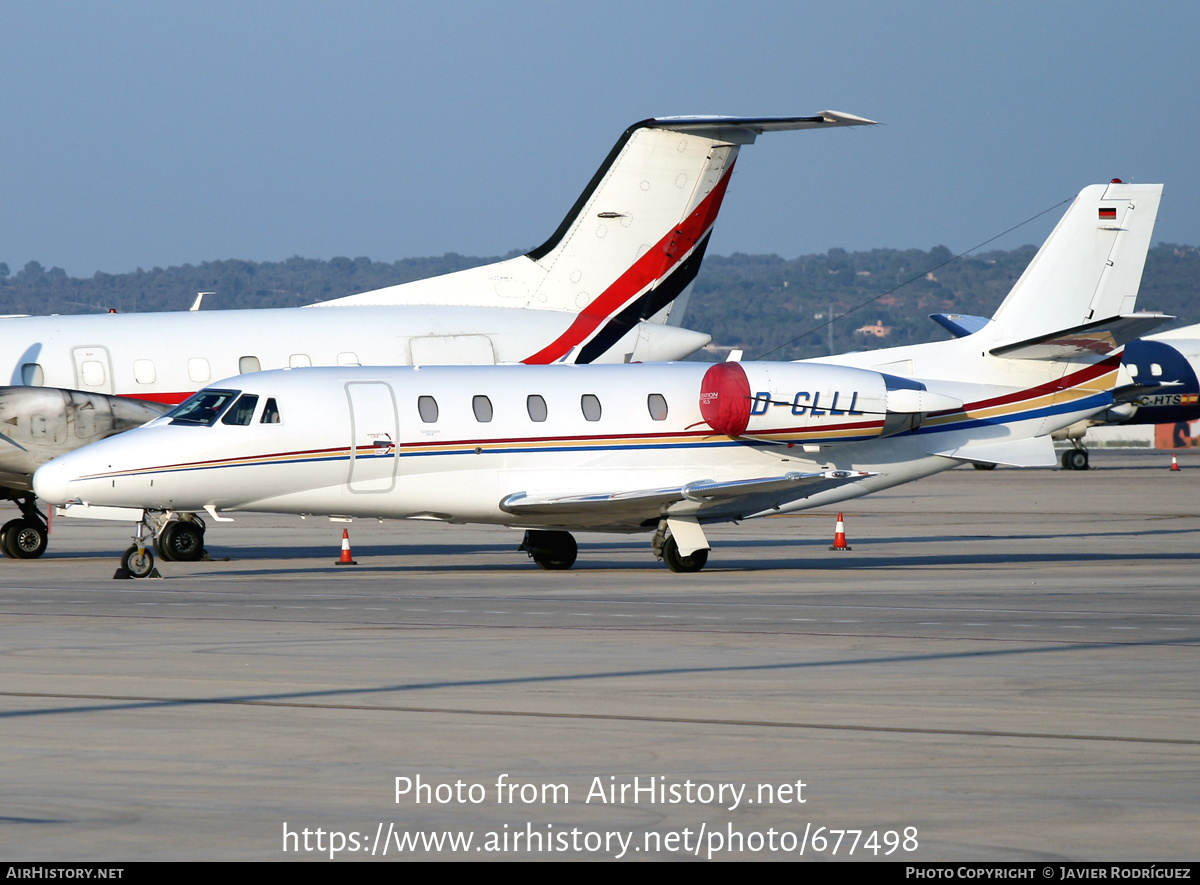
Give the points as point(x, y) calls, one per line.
point(609, 285)
point(661, 448)
point(1163, 388)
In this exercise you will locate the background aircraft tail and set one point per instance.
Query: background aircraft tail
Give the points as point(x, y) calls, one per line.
point(631, 245)
point(1087, 272)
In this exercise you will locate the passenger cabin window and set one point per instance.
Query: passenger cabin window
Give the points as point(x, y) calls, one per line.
point(270, 412)
point(143, 372)
point(482, 406)
point(202, 409)
point(428, 409)
point(243, 410)
point(248, 364)
point(198, 369)
point(536, 406)
point(348, 359)
point(32, 375)
point(93, 373)
point(590, 403)
point(657, 404)
point(299, 360)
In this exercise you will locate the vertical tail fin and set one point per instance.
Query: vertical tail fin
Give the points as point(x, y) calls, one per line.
point(1090, 267)
point(633, 242)
point(628, 250)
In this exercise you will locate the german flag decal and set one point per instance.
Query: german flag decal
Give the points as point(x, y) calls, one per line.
point(1108, 214)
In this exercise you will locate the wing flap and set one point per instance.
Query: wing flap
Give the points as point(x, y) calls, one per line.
point(702, 494)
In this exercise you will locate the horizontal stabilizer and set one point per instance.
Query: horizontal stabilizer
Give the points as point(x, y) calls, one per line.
point(959, 325)
point(1098, 339)
point(641, 502)
point(743, 130)
point(1035, 451)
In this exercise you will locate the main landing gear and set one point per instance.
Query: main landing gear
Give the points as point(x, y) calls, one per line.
point(677, 562)
point(26, 537)
point(557, 550)
point(1076, 457)
point(553, 551)
point(181, 540)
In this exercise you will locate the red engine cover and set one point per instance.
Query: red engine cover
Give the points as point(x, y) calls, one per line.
point(725, 398)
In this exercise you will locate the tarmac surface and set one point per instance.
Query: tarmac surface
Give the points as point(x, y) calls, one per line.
point(1004, 667)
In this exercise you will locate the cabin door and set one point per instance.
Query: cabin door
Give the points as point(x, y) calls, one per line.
point(373, 437)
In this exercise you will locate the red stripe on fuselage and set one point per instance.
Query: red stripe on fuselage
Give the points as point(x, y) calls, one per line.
point(1067, 382)
point(654, 265)
point(169, 399)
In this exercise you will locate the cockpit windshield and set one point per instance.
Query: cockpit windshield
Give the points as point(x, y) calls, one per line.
point(203, 408)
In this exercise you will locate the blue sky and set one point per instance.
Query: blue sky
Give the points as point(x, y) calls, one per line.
point(154, 134)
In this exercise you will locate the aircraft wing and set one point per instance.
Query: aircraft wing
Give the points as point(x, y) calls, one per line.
point(703, 494)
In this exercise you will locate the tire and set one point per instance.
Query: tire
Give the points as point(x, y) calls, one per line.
point(181, 542)
point(678, 563)
point(1076, 459)
point(4, 530)
point(983, 465)
point(24, 539)
point(553, 551)
point(138, 566)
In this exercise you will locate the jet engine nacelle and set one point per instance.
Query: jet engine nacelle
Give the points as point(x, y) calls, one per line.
point(770, 399)
point(40, 423)
point(835, 403)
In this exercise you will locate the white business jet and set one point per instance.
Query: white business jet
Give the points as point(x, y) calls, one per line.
point(659, 448)
point(609, 285)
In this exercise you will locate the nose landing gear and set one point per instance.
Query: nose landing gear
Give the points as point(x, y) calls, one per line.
point(137, 561)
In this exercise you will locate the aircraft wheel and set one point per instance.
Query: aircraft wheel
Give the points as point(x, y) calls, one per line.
point(181, 542)
point(4, 530)
point(160, 551)
point(677, 563)
point(983, 465)
point(553, 551)
point(138, 566)
point(23, 539)
point(1075, 459)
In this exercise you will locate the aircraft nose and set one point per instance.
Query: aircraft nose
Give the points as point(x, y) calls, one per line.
point(52, 481)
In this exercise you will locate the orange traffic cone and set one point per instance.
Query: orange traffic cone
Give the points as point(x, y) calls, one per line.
point(346, 558)
point(839, 536)
point(1174, 462)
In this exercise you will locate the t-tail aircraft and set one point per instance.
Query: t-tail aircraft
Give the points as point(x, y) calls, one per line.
point(665, 449)
point(1164, 388)
point(609, 285)
point(1158, 372)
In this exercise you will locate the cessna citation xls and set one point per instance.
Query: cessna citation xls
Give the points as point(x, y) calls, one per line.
point(609, 285)
point(659, 448)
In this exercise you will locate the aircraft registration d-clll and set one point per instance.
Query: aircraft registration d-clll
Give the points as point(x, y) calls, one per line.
point(661, 448)
point(609, 285)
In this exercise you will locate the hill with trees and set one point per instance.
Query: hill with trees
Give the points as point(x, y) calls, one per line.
point(763, 304)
